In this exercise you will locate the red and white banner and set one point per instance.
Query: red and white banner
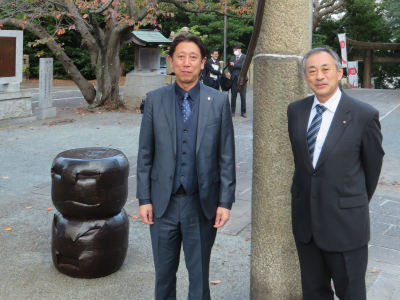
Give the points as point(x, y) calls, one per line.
point(352, 73)
point(343, 48)
point(372, 82)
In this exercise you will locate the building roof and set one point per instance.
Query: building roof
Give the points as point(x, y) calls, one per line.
point(145, 37)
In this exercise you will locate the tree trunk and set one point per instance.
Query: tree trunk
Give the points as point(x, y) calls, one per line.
point(107, 71)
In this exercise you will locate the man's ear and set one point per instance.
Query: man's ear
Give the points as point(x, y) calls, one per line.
point(170, 61)
point(340, 74)
point(203, 62)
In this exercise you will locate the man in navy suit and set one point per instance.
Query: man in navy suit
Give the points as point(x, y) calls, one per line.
point(337, 147)
point(235, 67)
point(185, 170)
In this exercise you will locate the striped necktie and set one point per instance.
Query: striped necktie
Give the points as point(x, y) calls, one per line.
point(313, 130)
point(186, 110)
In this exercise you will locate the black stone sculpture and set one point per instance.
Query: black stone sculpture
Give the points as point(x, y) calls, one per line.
point(89, 248)
point(90, 182)
point(91, 230)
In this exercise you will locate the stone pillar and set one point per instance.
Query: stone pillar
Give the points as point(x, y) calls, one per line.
point(367, 69)
point(278, 80)
point(45, 109)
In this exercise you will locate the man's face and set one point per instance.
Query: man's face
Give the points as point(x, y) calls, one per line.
point(214, 56)
point(322, 75)
point(187, 63)
point(238, 50)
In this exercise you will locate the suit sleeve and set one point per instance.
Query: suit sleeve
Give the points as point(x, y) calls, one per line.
point(372, 153)
point(146, 152)
point(226, 157)
point(239, 65)
point(209, 68)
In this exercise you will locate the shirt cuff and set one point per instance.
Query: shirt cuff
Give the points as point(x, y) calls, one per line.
point(144, 201)
point(226, 205)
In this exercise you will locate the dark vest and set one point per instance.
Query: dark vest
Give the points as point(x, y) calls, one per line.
point(186, 136)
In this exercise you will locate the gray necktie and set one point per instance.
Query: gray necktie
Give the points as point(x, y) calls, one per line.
point(313, 130)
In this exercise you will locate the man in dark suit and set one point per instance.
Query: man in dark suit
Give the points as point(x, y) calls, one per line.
point(337, 147)
point(235, 67)
point(185, 170)
point(212, 70)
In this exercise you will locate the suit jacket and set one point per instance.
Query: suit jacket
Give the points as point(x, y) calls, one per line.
point(330, 202)
point(215, 150)
point(209, 81)
point(237, 67)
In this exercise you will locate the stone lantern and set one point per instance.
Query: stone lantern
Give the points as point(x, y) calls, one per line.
point(144, 78)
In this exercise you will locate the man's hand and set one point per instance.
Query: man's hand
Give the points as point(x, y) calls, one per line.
point(146, 213)
point(231, 63)
point(222, 217)
point(228, 75)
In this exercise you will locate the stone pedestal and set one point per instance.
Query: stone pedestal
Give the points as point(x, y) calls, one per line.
point(137, 85)
point(10, 87)
point(15, 108)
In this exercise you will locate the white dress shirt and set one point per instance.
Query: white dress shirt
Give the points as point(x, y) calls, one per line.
point(327, 118)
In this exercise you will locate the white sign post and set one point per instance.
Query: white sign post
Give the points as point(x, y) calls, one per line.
point(352, 72)
point(343, 48)
point(45, 109)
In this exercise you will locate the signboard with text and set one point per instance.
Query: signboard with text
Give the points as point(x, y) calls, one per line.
point(352, 72)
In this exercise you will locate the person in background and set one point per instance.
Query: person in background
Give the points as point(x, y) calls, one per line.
point(212, 70)
point(235, 67)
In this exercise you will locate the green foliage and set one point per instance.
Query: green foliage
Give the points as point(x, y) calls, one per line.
point(238, 32)
point(72, 47)
point(391, 11)
point(366, 21)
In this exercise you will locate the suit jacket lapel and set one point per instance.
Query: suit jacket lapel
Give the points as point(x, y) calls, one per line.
point(205, 102)
point(340, 121)
point(169, 109)
point(302, 127)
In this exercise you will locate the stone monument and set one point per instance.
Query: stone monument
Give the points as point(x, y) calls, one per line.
point(147, 60)
point(15, 105)
point(45, 109)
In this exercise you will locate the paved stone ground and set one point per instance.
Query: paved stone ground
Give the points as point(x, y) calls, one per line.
point(26, 153)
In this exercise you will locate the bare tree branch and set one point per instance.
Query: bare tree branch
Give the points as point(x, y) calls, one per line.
point(181, 6)
point(321, 9)
point(102, 9)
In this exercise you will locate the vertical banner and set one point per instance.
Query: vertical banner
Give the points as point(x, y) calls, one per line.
point(372, 82)
point(343, 48)
point(352, 73)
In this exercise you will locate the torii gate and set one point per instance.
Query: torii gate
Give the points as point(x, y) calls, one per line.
point(368, 59)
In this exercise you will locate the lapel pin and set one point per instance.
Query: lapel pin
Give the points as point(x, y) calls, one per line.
point(344, 122)
point(208, 98)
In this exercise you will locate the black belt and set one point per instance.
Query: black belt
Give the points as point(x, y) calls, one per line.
point(180, 191)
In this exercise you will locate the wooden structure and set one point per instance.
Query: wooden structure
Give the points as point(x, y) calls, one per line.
point(368, 59)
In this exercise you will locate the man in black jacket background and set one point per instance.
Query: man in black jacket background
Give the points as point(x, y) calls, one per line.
point(236, 64)
point(212, 70)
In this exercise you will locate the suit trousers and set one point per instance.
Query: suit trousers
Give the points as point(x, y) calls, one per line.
point(346, 269)
point(234, 95)
point(183, 223)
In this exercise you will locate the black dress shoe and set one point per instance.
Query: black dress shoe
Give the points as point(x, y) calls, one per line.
point(232, 114)
point(244, 115)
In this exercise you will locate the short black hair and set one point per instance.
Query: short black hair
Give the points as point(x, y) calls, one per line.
point(189, 39)
point(237, 46)
point(213, 50)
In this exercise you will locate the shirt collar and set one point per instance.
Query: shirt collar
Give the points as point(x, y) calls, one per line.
point(193, 92)
point(332, 103)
